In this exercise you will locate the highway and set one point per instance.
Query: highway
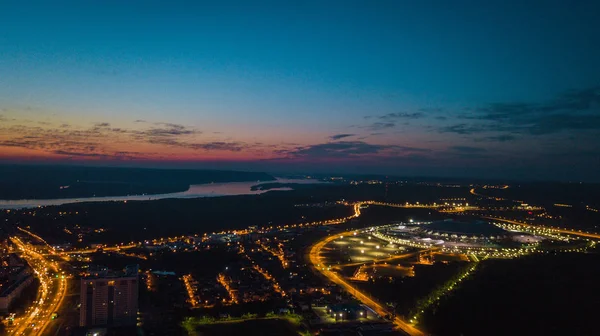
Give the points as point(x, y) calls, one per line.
point(94, 250)
point(50, 296)
point(541, 227)
point(315, 259)
point(473, 192)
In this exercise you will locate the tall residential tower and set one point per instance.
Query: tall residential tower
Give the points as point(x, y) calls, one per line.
point(109, 298)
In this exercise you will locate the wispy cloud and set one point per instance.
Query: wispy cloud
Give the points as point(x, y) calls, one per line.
point(572, 111)
point(390, 120)
point(467, 149)
point(103, 141)
point(497, 138)
point(381, 126)
point(402, 115)
point(397, 115)
point(341, 136)
point(168, 129)
point(347, 149)
point(219, 146)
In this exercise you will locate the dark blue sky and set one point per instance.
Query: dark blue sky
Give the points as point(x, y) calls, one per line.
point(484, 88)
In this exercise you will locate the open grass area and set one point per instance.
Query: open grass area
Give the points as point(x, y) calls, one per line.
point(249, 324)
point(258, 327)
point(532, 295)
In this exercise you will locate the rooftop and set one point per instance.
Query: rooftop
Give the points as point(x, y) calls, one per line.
point(477, 227)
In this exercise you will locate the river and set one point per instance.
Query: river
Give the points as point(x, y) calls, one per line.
point(194, 191)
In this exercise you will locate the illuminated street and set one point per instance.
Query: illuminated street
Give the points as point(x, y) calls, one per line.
point(550, 229)
point(191, 291)
point(316, 261)
point(51, 293)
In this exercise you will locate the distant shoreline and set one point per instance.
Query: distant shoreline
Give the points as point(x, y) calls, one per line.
point(22, 182)
point(193, 191)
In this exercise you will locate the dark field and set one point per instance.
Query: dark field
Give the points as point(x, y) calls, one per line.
point(406, 292)
point(534, 295)
point(270, 327)
point(547, 194)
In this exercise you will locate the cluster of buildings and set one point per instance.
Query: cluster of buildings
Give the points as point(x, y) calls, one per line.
point(247, 285)
point(205, 291)
point(15, 276)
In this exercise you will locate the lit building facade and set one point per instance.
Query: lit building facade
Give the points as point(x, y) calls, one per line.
point(109, 298)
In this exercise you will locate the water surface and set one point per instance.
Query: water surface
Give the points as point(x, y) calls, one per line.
point(195, 191)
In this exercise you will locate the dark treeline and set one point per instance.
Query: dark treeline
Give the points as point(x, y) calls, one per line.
point(137, 220)
point(546, 194)
point(169, 217)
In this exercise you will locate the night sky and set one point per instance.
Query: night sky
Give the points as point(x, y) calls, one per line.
point(507, 89)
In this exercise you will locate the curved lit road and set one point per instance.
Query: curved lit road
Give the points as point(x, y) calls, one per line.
point(541, 227)
point(50, 296)
point(315, 259)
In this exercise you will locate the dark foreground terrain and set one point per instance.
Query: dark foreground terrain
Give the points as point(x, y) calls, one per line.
point(534, 295)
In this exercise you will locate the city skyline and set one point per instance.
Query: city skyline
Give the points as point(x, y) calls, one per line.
point(469, 89)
